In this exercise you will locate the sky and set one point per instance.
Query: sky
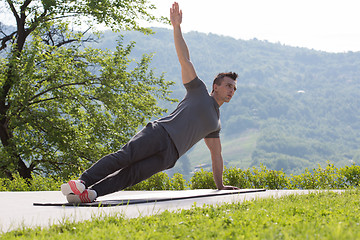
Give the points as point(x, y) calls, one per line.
point(325, 25)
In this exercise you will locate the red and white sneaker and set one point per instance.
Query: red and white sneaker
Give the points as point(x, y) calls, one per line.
point(87, 196)
point(73, 187)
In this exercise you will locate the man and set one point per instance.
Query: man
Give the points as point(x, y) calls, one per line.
point(158, 146)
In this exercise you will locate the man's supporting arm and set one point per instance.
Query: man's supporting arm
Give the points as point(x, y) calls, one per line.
point(187, 69)
point(214, 146)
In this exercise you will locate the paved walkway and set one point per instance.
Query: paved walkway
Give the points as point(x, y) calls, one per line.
point(17, 209)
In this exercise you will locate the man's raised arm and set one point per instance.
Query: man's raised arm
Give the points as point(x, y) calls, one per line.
point(187, 69)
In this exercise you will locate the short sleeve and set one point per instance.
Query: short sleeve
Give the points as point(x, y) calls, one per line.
point(215, 134)
point(195, 84)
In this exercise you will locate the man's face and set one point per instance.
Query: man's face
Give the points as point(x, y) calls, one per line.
point(226, 90)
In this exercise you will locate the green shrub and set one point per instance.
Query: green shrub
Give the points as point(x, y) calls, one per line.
point(303, 181)
point(237, 177)
point(161, 181)
point(258, 177)
point(321, 178)
point(37, 183)
point(202, 180)
point(351, 175)
point(3, 184)
point(329, 177)
point(17, 184)
point(177, 182)
point(276, 180)
point(40, 183)
point(255, 178)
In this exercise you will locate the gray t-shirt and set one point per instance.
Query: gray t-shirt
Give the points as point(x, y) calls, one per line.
point(197, 116)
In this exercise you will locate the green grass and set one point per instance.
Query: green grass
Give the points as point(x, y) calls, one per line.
point(324, 215)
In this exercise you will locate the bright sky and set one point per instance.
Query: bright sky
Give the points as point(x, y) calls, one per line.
point(328, 25)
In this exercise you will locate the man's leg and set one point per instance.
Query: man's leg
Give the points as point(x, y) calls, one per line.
point(150, 141)
point(138, 171)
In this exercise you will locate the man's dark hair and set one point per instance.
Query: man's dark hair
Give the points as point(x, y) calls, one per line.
point(218, 79)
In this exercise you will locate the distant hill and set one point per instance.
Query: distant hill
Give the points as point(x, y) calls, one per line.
point(295, 108)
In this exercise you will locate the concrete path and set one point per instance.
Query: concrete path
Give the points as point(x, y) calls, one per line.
point(17, 210)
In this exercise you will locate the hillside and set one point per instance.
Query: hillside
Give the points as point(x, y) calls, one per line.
point(295, 108)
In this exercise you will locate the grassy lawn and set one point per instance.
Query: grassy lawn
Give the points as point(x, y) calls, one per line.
point(314, 216)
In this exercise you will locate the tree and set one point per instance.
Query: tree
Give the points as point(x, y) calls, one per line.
point(63, 105)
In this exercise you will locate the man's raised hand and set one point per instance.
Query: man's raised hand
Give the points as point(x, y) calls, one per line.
point(175, 14)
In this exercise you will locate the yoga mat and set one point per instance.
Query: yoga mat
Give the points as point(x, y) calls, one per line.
point(148, 197)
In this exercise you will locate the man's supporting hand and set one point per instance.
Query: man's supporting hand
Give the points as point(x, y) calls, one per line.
point(230, 188)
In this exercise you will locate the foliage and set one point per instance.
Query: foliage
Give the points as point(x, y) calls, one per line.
point(73, 106)
point(255, 178)
point(118, 15)
point(62, 104)
point(36, 183)
point(329, 177)
point(238, 177)
point(351, 175)
point(161, 181)
point(318, 215)
point(202, 179)
point(178, 182)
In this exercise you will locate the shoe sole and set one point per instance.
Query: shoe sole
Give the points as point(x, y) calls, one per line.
point(74, 187)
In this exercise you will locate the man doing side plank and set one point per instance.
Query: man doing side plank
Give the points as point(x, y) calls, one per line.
point(161, 143)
